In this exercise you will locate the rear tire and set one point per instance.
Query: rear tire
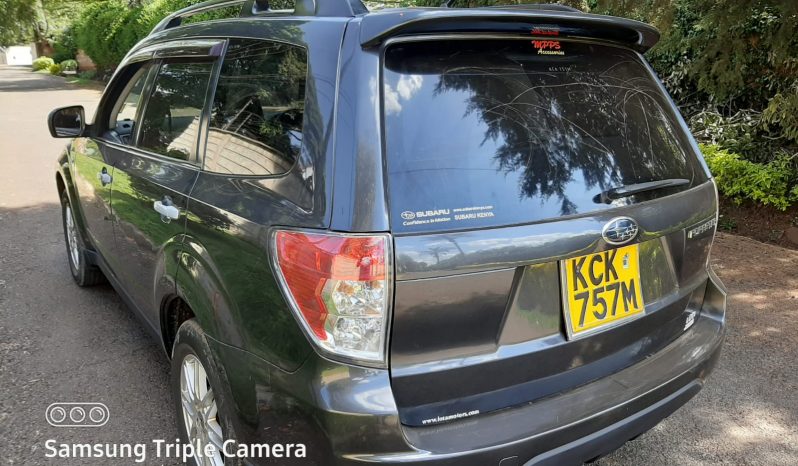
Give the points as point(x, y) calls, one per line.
point(83, 272)
point(209, 421)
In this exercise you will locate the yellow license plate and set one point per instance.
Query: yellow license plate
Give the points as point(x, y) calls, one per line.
point(601, 289)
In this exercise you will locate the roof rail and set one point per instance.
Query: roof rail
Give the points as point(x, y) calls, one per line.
point(329, 8)
point(522, 6)
point(176, 18)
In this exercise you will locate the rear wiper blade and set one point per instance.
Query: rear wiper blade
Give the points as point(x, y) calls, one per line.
point(630, 189)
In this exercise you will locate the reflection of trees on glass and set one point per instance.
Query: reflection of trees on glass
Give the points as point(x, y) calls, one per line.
point(603, 118)
point(256, 120)
point(171, 117)
point(533, 134)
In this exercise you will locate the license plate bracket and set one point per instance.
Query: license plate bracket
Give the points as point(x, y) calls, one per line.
point(601, 290)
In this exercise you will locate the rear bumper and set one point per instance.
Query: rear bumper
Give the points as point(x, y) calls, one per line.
point(346, 415)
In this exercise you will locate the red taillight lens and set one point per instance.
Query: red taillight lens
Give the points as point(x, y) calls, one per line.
point(339, 288)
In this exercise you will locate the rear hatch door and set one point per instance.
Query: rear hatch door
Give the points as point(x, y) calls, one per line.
point(517, 168)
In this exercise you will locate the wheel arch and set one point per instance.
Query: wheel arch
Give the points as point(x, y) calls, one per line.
point(174, 311)
point(65, 183)
point(197, 293)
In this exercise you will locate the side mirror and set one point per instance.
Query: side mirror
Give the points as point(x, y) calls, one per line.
point(67, 122)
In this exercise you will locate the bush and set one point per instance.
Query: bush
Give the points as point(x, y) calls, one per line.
point(97, 28)
point(745, 132)
point(69, 65)
point(89, 74)
point(107, 29)
point(774, 183)
point(55, 69)
point(42, 63)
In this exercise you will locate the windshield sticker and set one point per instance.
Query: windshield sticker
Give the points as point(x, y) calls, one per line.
point(548, 47)
point(424, 217)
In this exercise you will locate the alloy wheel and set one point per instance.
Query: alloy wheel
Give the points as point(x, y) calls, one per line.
point(200, 412)
point(72, 237)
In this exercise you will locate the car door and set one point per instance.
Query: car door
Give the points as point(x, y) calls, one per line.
point(155, 173)
point(93, 159)
point(92, 175)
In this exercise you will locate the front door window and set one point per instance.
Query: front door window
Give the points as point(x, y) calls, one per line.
point(171, 119)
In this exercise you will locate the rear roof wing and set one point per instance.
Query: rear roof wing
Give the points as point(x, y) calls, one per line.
point(378, 26)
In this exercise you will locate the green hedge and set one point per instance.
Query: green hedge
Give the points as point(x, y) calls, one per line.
point(98, 32)
point(107, 29)
point(774, 183)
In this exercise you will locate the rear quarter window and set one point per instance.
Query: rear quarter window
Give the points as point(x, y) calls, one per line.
point(502, 132)
point(258, 109)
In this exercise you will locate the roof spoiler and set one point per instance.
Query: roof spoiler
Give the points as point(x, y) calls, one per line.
point(378, 26)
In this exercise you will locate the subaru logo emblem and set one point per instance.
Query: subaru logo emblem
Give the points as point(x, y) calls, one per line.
point(619, 230)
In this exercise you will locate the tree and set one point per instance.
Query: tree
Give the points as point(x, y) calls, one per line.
point(36, 20)
point(15, 22)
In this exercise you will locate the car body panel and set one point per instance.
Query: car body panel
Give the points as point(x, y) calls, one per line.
point(226, 256)
point(142, 235)
point(89, 163)
point(441, 254)
point(352, 412)
point(360, 202)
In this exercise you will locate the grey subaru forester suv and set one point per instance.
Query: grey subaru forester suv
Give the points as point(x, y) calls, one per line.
point(410, 236)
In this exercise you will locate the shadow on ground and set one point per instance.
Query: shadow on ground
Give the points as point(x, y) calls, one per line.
point(62, 343)
point(21, 81)
point(748, 410)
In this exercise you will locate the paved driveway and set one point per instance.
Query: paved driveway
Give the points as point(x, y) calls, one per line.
point(59, 342)
point(62, 343)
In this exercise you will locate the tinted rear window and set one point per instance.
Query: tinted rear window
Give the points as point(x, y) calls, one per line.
point(488, 133)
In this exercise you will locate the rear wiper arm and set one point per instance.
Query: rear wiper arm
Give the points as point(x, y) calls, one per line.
point(630, 189)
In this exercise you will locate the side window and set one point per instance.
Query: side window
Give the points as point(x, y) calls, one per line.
point(123, 115)
point(256, 117)
point(171, 119)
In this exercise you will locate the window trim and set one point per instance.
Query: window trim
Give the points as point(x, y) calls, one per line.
point(117, 107)
point(181, 48)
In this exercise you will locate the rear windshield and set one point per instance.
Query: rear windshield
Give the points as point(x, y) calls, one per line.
point(489, 133)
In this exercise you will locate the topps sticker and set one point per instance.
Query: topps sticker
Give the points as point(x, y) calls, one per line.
point(548, 47)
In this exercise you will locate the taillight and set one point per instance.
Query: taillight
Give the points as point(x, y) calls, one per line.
point(339, 287)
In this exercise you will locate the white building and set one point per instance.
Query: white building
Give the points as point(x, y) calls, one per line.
point(17, 55)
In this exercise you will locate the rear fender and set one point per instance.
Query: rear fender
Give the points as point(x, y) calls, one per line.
point(203, 291)
point(165, 285)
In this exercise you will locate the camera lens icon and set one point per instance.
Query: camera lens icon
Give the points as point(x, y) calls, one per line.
point(77, 414)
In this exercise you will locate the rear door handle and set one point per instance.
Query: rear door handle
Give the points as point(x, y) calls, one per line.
point(167, 209)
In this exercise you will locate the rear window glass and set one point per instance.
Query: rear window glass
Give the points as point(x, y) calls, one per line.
point(489, 133)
